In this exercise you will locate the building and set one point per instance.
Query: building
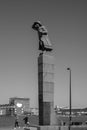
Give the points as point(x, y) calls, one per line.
point(16, 106)
point(6, 109)
point(74, 111)
point(78, 116)
point(21, 105)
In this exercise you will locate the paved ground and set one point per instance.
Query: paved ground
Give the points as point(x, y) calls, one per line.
point(11, 128)
point(16, 128)
point(77, 128)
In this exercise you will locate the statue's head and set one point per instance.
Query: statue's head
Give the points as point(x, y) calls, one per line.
point(36, 25)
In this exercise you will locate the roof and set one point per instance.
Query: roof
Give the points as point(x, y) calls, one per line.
point(17, 98)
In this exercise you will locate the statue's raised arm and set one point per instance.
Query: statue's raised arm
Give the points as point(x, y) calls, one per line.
point(44, 42)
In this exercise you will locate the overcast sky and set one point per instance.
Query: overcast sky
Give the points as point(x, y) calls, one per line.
point(66, 22)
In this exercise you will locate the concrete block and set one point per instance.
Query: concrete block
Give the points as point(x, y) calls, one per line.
point(48, 68)
point(44, 58)
point(48, 87)
point(46, 77)
point(44, 67)
point(49, 77)
point(49, 128)
point(48, 97)
point(40, 77)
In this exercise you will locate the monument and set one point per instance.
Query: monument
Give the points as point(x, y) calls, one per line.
point(45, 77)
point(44, 42)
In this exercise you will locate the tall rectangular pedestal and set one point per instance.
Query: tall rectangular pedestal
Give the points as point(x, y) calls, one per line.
point(46, 89)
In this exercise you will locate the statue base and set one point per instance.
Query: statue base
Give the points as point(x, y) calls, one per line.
point(46, 89)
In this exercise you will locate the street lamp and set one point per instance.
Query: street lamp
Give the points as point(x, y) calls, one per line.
point(69, 97)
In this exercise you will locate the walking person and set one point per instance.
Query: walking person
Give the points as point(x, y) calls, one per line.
point(16, 122)
point(26, 122)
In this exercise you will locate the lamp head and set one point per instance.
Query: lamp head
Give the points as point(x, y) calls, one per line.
point(68, 69)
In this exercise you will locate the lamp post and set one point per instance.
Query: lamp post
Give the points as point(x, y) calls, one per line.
point(69, 97)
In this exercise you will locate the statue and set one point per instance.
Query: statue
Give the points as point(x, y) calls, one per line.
point(44, 42)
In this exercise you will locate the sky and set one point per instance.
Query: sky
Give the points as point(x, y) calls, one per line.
point(66, 22)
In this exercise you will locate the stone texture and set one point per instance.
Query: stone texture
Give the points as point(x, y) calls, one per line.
point(46, 89)
point(49, 128)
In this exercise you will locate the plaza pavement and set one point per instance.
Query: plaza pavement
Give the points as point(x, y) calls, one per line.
point(62, 128)
point(21, 128)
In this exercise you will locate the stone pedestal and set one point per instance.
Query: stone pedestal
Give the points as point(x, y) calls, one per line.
point(50, 128)
point(46, 89)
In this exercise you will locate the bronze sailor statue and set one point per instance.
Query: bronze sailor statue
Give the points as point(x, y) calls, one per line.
point(44, 42)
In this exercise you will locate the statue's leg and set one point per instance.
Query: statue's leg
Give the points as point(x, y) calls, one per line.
point(41, 46)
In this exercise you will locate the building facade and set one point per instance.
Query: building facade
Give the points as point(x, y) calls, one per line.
point(21, 105)
point(6, 109)
point(16, 106)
